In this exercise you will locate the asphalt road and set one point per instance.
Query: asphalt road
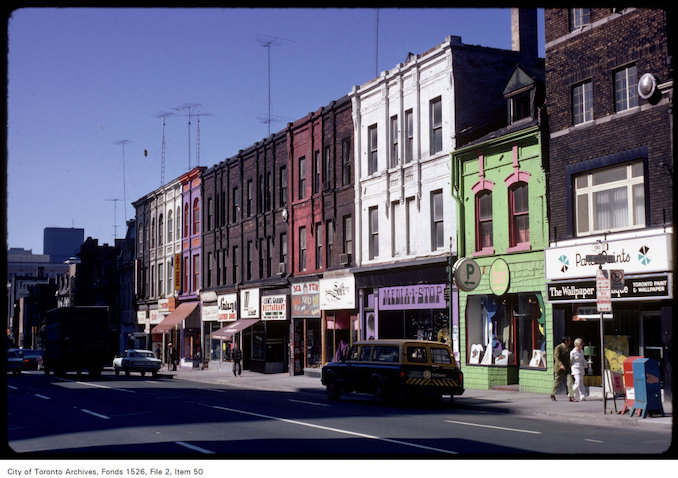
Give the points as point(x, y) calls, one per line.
point(155, 417)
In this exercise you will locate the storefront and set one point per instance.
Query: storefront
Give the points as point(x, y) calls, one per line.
point(640, 323)
point(181, 327)
point(217, 340)
point(306, 327)
point(337, 295)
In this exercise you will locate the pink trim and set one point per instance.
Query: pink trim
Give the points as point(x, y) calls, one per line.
point(487, 251)
point(482, 185)
point(517, 177)
point(523, 246)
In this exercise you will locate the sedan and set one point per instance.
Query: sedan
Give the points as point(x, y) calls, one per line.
point(14, 361)
point(135, 360)
point(32, 359)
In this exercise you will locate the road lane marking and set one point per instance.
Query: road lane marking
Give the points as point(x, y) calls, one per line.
point(194, 448)
point(336, 430)
point(494, 427)
point(12, 387)
point(308, 403)
point(104, 386)
point(215, 390)
point(95, 414)
point(593, 441)
point(42, 396)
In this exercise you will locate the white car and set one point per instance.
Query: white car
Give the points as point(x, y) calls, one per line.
point(135, 360)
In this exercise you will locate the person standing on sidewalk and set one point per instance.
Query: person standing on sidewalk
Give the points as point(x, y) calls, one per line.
point(561, 367)
point(236, 355)
point(578, 365)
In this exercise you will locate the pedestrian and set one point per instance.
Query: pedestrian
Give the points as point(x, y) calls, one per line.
point(172, 352)
point(561, 367)
point(236, 355)
point(157, 351)
point(578, 364)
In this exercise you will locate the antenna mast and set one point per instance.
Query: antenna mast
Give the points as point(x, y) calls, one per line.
point(163, 115)
point(123, 142)
point(115, 215)
point(266, 42)
point(191, 108)
point(376, 62)
point(197, 139)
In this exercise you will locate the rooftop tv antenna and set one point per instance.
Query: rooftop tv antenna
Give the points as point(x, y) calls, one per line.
point(376, 61)
point(197, 139)
point(115, 216)
point(123, 142)
point(190, 107)
point(163, 115)
point(267, 42)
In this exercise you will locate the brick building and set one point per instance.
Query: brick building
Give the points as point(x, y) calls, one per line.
point(611, 185)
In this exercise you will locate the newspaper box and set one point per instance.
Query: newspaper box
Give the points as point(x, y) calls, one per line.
point(628, 383)
point(647, 388)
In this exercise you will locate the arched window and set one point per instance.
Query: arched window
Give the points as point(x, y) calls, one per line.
point(484, 241)
point(186, 220)
point(161, 232)
point(178, 222)
point(170, 226)
point(153, 232)
point(196, 216)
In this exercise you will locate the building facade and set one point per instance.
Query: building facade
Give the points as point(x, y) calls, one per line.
point(609, 80)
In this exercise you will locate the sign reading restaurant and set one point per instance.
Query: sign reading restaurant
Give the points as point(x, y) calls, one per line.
point(274, 307)
point(422, 296)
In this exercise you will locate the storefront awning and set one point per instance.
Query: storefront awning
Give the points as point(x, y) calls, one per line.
point(226, 333)
point(179, 314)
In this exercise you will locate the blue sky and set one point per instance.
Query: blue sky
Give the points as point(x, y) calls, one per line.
point(81, 80)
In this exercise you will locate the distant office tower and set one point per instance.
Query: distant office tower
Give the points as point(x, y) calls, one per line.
point(62, 242)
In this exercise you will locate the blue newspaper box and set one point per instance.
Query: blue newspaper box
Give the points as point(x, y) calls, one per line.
point(647, 388)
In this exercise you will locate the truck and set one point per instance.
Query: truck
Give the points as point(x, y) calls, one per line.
point(76, 339)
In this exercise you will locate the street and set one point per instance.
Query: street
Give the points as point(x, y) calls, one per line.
point(148, 417)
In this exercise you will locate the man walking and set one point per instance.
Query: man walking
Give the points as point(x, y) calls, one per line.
point(236, 355)
point(561, 368)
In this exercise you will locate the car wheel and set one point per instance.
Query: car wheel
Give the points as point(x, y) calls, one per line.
point(333, 390)
point(127, 373)
point(154, 373)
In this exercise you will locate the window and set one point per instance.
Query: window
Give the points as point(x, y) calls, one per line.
point(416, 354)
point(186, 220)
point(283, 248)
point(625, 88)
point(327, 167)
point(440, 356)
point(170, 226)
point(147, 233)
point(410, 214)
point(235, 203)
point(436, 109)
point(345, 161)
point(373, 218)
point(196, 272)
point(582, 103)
point(249, 260)
point(267, 192)
point(178, 222)
point(302, 249)
point(396, 222)
point(210, 222)
point(260, 193)
point(208, 276)
point(170, 273)
point(140, 235)
point(161, 230)
point(519, 219)
point(260, 255)
point(248, 207)
point(520, 107)
point(236, 264)
point(152, 281)
point(372, 149)
point(484, 221)
point(437, 223)
point(318, 246)
point(269, 255)
point(394, 142)
point(330, 242)
point(186, 276)
point(153, 232)
point(196, 216)
point(579, 17)
point(283, 186)
point(610, 199)
point(409, 136)
point(316, 172)
point(302, 177)
point(383, 353)
point(348, 234)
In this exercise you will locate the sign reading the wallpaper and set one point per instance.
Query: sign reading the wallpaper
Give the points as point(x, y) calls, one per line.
point(421, 296)
point(227, 305)
point(306, 299)
point(274, 307)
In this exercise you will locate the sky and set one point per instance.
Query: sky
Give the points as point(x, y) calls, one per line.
point(85, 87)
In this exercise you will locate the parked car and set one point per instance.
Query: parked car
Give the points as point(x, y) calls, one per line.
point(388, 368)
point(135, 360)
point(31, 359)
point(14, 361)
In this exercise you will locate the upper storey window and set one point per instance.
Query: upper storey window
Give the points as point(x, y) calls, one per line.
point(372, 149)
point(582, 103)
point(436, 125)
point(579, 17)
point(625, 90)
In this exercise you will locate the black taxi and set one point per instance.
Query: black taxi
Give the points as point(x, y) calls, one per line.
point(389, 368)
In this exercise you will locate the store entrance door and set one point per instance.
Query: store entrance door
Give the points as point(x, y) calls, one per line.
point(651, 333)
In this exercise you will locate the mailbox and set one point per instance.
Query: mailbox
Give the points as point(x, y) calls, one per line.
point(628, 383)
point(647, 388)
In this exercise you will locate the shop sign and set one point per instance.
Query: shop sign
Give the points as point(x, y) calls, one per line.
point(422, 296)
point(500, 277)
point(467, 274)
point(163, 305)
point(210, 313)
point(177, 272)
point(156, 318)
point(306, 299)
point(227, 307)
point(141, 317)
point(274, 307)
point(655, 287)
point(337, 293)
point(635, 255)
point(249, 304)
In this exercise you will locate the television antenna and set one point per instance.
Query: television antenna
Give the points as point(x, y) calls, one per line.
point(115, 216)
point(190, 107)
point(267, 42)
point(163, 115)
point(197, 138)
point(123, 142)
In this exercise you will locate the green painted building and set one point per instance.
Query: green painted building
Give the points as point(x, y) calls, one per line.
point(499, 183)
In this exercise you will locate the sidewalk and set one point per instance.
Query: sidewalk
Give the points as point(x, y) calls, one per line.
point(520, 403)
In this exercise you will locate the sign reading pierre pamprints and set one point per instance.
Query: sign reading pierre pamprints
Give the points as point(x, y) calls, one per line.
point(421, 296)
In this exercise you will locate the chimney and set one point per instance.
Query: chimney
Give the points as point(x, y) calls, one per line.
point(524, 32)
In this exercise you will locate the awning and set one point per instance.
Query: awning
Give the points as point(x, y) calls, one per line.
point(227, 332)
point(180, 313)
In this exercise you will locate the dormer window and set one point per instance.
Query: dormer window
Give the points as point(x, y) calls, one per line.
point(520, 107)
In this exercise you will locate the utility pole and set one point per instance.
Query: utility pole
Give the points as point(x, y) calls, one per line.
point(267, 42)
point(115, 216)
point(123, 142)
point(163, 115)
